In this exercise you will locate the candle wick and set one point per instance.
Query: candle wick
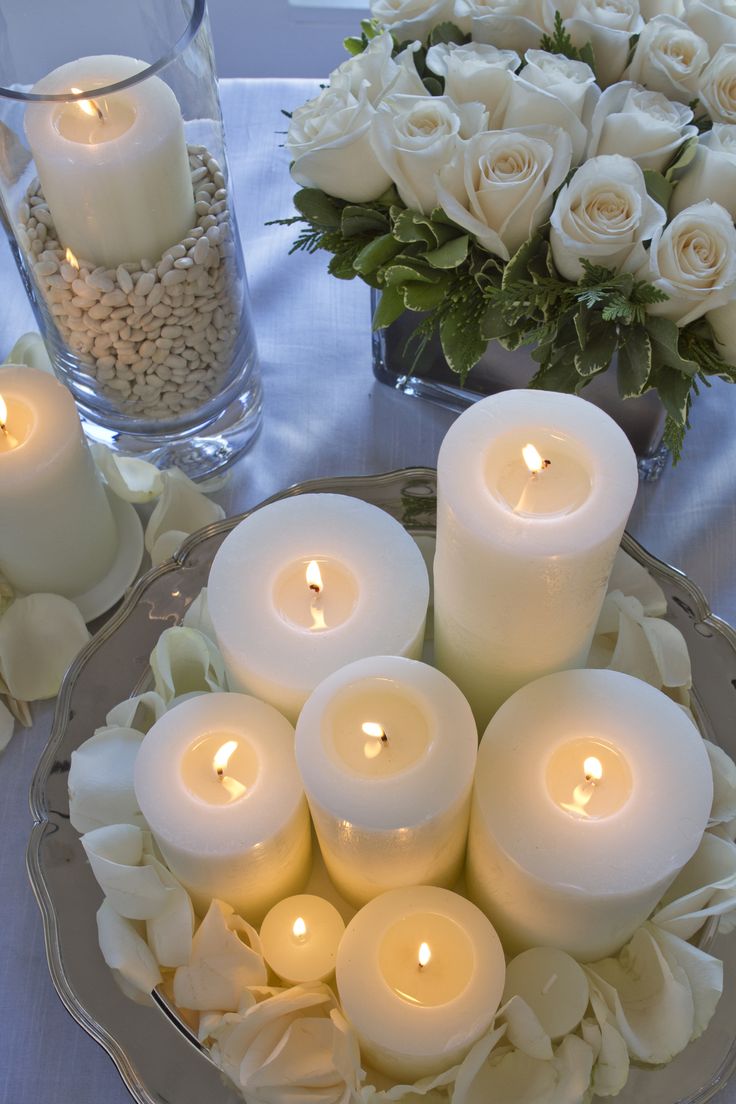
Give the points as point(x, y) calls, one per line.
point(221, 773)
point(549, 985)
point(8, 436)
point(98, 109)
point(315, 587)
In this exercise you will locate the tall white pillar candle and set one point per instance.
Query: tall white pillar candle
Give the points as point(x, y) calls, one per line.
point(310, 583)
point(592, 791)
point(57, 532)
point(217, 782)
point(523, 556)
point(420, 973)
point(386, 747)
point(114, 169)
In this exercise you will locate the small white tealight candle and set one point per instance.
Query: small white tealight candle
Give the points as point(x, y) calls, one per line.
point(533, 492)
point(554, 986)
point(306, 584)
point(300, 937)
point(592, 791)
point(420, 973)
point(386, 747)
point(114, 170)
point(57, 532)
point(216, 780)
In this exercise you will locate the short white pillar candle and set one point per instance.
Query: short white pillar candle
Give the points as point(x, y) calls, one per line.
point(57, 532)
point(554, 986)
point(523, 556)
point(592, 791)
point(217, 782)
point(300, 937)
point(114, 171)
point(420, 973)
point(309, 583)
point(386, 747)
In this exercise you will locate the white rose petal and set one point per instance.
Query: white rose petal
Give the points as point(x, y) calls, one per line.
point(717, 86)
point(138, 712)
point(573, 82)
point(415, 136)
point(724, 785)
point(604, 214)
point(167, 545)
point(693, 260)
point(412, 19)
point(31, 350)
point(226, 958)
point(523, 1029)
point(711, 174)
point(611, 1069)
point(125, 951)
point(642, 125)
point(511, 1075)
point(130, 479)
point(509, 24)
point(39, 637)
point(378, 72)
point(475, 74)
point(329, 139)
point(169, 932)
point(114, 853)
point(186, 661)
point(713, 20)
point(528, 105)
point(705, 887)
point(608, 26)
point(182, 506)
point(101, 789)
point(509, 180)
point(632, 578)
point(704, 974)
point(198, 615)
point(651, 8)
point(669, 58)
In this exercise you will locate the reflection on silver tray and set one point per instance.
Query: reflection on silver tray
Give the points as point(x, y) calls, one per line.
point(155, 1058)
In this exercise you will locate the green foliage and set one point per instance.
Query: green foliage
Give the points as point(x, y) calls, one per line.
point(369, 29)
point(426, 263)
point(559, 42)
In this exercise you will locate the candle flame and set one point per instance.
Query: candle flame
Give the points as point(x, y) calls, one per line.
point(370, 728)
point(222, 757)
point(376, 738)
point(593, 769)
point(3, 412)
point(299, 928)
point(89, 107)
point(424, 954)
point(314, 577)
point(9, 438)
point(532, 458)
point(72, 259)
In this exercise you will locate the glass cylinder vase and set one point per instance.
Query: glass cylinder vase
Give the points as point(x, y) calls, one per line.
point(115, 195)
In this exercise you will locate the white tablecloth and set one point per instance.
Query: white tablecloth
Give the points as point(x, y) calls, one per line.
point(324, 416)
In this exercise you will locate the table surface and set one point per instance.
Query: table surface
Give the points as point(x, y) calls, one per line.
point(324, 416)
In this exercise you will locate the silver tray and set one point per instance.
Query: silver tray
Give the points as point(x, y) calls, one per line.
point(154, 1055)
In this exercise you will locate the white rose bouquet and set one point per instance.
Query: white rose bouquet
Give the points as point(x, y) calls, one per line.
point(551, 175)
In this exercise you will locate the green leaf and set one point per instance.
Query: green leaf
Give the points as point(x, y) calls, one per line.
point(658, 187)
point(582, 318)
point(558, 377)
point(399, 273)
point(595, 356)
point(412, 226)
point(634, 363)
point(673, 389)
point(666, 337)
point(447, 32)
point(362, 220)
point(354, 46)
point(449, 255)
point(683, 158)
point(424, 297)
point(517, 266)
point(318, 208)
point(390, 306)
point(434, 85)
point(341, 266)
point(493, 324)
point(462, 342)
point(377, 253)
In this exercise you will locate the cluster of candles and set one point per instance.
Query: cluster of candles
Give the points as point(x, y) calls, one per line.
point(589, 792)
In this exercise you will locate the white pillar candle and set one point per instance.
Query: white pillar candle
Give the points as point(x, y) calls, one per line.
point(523, 557)
point(386, 747)
point(554, 986)
point(309, 583)
point(114, 169)
point(592, 791)
point(217, 782)
point(57, 532)
point(420, 974)
point(300, 937)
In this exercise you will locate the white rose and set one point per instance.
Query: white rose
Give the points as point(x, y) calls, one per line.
point(509, 24)
point(410, 19)
point(723, 324)
point(712, 172)
point(415, 136)
point(573, 82)
point(694, 261)
point(381, 72)
point(650, 8)
point(527, 105)
point(645, 126)
point(605, 215)
point(713, 20)
point(669, 58)
point(329, 139)
point(509, 179)
point(717, 85)
point(608, 26)
point(474, 73)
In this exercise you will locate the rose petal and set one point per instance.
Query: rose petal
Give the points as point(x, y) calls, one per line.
point(39, 637)
point(724, 785)
point(7, 724)
point(704, 973)
point(167, 545)
point(125, 951)
point(114, 853)
point(139, 712)
point(633, 579)
point(31, 350)
point(185, 661)
point(130, 479)
point(705, 887)
point(169, 933)
point(524, 1031)
point(101, 789)
point(182, 506)
point(198, 615)
point(221, 964)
